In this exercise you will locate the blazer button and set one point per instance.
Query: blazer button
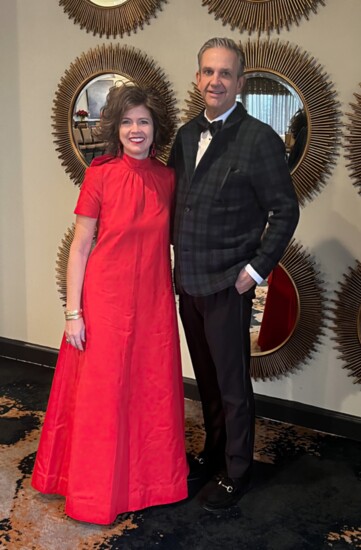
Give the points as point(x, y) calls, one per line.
point(187, 209)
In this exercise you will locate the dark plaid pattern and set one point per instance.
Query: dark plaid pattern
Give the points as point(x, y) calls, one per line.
point(223, 206)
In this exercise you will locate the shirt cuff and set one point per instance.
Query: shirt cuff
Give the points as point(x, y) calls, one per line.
point(255, 276)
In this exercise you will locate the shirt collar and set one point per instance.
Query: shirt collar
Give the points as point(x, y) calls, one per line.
point(222, 117)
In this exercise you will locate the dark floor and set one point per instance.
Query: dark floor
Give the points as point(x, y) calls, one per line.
point(306, 494)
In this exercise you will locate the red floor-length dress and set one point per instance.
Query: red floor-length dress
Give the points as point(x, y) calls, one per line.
point(113, 436)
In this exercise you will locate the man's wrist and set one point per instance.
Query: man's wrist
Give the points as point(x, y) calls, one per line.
point(255, 276)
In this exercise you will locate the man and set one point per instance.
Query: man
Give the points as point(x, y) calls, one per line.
point(232, 182)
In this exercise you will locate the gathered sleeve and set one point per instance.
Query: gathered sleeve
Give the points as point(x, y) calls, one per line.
point(90, 198)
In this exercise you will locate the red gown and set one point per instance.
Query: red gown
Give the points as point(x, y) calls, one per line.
point(113, 436)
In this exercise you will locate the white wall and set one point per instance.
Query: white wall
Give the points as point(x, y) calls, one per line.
point(37, 44)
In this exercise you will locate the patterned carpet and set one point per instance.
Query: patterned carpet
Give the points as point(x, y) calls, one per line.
point(306, 494)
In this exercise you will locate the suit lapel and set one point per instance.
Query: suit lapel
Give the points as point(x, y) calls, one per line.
point(235, 117)
point(190, 139)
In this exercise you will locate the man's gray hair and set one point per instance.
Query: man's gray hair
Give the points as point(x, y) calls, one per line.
point(227, 43)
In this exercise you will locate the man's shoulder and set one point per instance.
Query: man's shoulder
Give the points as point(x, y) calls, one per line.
point(241, 117)
point(189, 125)
point(259, 130)
point(259, 124)
point(256, 123)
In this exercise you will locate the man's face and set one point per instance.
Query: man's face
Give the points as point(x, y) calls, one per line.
point(217, 80)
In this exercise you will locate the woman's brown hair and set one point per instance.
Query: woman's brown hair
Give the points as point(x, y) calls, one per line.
point(122, 98)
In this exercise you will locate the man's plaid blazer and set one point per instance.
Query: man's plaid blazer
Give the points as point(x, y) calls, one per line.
point(223, 206)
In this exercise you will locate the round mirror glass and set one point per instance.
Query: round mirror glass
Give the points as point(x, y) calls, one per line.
point(275, 312)
point(270, 98)
point(108, 3)
point(86, 114)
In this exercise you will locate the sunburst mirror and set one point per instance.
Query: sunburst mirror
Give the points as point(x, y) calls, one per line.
point(82, 93)
point(353, 142)
point(346, 314)
point(261, 15)
point(111, 17)
point(62, 261)
point(284, 75)
point(287, 316)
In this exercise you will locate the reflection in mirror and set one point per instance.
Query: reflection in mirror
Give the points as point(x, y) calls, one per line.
point(111, 17)
point(270, 98)
point(296, 139)
point(86, 114)
point(108, 3)
point(275, 312)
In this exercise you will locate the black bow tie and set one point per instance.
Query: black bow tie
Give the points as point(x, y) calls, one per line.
point(213, 127)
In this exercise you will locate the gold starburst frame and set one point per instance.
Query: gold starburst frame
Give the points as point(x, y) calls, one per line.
point(114, 20)
point(261, 15)
point(62, 261)
point(304, 339)
point(305, 75)
point(125, 60)
point(353, 142)
point(346, 314)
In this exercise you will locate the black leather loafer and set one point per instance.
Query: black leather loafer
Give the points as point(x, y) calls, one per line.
point(223, 492)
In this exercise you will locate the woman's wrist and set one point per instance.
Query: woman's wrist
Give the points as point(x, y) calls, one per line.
point(73, 314)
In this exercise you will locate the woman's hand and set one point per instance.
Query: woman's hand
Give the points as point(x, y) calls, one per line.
point(75, 333)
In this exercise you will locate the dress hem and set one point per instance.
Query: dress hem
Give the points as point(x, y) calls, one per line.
point(177, 494)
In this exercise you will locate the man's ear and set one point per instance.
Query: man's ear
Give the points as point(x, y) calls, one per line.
point(241, 83)
point(198, 77)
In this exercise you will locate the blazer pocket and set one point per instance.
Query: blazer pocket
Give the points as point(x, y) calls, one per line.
point(234, 187)
point(229, 172)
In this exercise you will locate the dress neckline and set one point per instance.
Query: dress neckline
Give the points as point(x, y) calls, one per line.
point(138, 164)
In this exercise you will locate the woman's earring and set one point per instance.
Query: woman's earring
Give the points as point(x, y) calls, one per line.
point(153, 151)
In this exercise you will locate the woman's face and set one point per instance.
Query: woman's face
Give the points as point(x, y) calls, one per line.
point(136, 131)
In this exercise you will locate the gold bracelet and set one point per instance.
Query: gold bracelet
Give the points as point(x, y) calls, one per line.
point(73, 317)
point(73, 312)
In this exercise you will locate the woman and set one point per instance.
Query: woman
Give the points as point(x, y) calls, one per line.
point(113, 436)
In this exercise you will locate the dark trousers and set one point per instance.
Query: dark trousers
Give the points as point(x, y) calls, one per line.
point(217, 333)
